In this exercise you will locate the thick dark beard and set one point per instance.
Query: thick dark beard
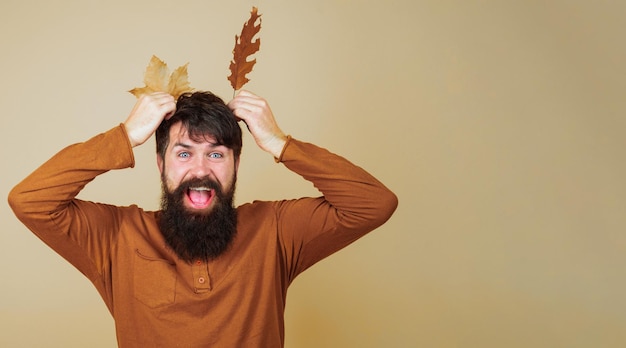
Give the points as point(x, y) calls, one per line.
point(198, 236)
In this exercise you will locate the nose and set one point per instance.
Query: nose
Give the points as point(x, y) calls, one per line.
point(200, 168)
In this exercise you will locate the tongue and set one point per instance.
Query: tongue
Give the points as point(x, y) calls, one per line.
point(199, 197)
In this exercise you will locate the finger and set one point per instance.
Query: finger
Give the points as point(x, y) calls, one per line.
point(159, 97)
point(245, 93)
point(251, 107)
point(246, 97)
point(170, 112)
point(238, 106)
point(241, 113)
point(163, 100)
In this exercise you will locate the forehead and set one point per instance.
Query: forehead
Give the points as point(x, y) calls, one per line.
point(178, 133)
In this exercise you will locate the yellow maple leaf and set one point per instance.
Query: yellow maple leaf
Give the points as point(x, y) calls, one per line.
point(156, 80)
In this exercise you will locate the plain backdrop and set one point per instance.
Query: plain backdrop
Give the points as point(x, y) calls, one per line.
point(499, 124)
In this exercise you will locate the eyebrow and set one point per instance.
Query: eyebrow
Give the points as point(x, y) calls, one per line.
point(188, 146)
point(179, 144)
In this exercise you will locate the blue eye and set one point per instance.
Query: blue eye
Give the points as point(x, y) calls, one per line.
point(215, 155)
point(184, 155)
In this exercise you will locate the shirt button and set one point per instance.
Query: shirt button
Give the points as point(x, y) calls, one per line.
point(201, 280)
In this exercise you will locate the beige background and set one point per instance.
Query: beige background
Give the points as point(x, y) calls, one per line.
point(498, 123)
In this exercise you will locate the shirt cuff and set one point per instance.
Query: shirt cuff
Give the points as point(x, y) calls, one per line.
point(280, 158)
point(122, 127)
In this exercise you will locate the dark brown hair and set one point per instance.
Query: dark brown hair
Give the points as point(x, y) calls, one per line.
point(202, 114)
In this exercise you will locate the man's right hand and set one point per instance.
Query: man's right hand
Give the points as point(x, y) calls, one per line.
point(146, 116)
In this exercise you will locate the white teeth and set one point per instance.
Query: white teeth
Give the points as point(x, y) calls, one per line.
point(200, 189)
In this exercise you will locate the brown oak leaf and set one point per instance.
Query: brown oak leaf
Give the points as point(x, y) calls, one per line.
point(244, 47)
point(156, 80)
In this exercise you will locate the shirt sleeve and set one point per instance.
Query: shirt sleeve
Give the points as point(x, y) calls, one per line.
point(45, 202)
point(353, 204)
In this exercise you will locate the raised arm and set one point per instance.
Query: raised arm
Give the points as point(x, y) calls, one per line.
point(45, 200)
point(53, 185)
point(353, 203)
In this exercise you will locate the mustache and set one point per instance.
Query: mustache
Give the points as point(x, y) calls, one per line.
point(200, 182)
point(207, 182)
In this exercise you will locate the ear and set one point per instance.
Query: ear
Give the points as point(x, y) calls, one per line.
point(160, 163)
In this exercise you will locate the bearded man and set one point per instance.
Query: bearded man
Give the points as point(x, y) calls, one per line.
point(198, 219)
point(198, 272)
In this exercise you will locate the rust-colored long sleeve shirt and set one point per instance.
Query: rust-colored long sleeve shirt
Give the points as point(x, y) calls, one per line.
point(158, 300)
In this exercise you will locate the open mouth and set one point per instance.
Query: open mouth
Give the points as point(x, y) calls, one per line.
point(200, 197)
